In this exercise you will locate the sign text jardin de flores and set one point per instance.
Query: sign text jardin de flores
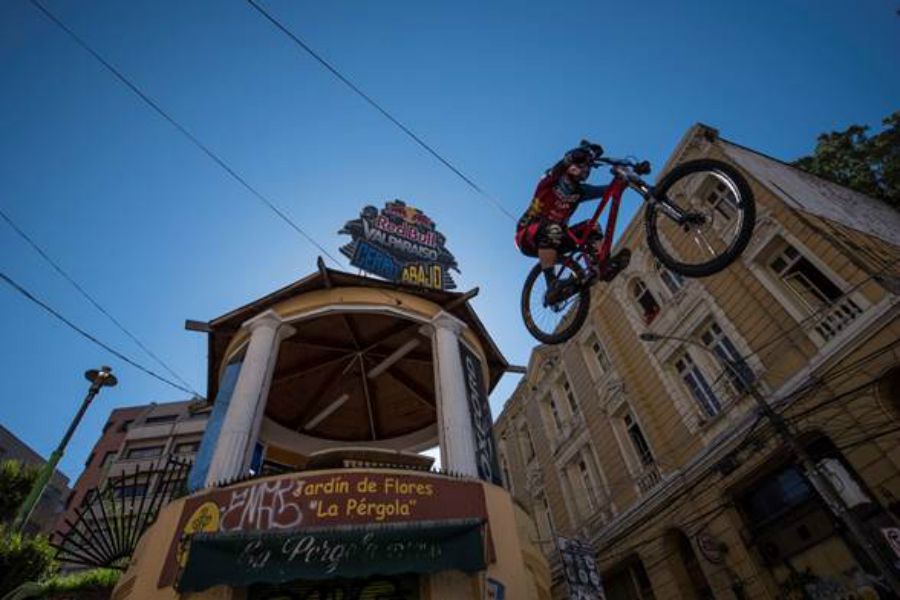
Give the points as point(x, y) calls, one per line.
point(298, 501)
point(401, 244)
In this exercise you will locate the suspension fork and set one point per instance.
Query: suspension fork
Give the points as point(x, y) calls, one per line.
point(668, 208)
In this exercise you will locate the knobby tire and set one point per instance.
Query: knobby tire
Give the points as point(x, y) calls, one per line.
point(576, 321)
point(746, 206)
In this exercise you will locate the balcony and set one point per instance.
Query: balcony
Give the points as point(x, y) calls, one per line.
point(835, 318)
point(648, 478)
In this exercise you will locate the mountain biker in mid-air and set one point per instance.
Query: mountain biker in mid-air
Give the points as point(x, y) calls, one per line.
point(543, 230)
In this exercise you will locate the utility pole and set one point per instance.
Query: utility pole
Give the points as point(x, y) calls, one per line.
point(98, 379)
point(814, 475)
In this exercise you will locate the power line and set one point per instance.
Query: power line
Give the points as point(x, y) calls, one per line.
point(87, 335)
point(91, 299)
point(418, 140)
point(184, 131)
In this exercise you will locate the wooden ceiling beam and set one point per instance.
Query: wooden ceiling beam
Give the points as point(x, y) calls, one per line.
point(299, 371)
point(326, 345)
point(365, 386)
point(329, 381)
point(417, 390)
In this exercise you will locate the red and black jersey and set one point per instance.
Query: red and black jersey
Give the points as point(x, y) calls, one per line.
point(556, 197)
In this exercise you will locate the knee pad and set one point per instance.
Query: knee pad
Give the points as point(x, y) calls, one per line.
point(554, 233)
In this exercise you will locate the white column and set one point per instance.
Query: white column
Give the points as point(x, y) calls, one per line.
point(249, 398)
point(454, 423)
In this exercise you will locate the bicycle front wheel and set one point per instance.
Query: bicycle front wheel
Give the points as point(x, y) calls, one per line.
point(710, 221)
point(558, 322)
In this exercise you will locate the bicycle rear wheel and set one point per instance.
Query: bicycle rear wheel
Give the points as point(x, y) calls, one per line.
point(719, 214)
point(555, 323)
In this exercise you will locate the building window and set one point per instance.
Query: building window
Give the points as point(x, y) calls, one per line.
point(647, 303)
point(525, 443)
point(814, 291)
point(721, 199)
point(570, 396)
point(735, 367)
point(673, 281)
point(504, 467)
point(160, 419)
point(554, 410)
point(145, 452)
point(108, 458)
point(132, 490)
point(587, 483)
point(776, 495)
point(697, 385)
point(638, 441)
point(545, 521)
point(187, 448)
point(809, 284)
point(598, 354)
point(88, 498)
point(126, 425)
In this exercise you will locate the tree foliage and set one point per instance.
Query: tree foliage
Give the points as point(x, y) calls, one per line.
point(853, 158)
point(23, 559)
point(15, 483)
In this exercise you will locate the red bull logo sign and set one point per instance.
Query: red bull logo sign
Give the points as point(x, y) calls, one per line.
point(400, 243)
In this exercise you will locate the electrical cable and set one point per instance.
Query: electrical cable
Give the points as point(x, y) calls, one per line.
point(91, 299)
point(184, 131)
point(88, 336)
point(343, 79)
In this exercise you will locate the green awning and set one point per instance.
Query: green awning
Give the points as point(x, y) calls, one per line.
point(240, 559)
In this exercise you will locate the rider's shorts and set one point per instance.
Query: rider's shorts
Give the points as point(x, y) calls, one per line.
point(538, 235)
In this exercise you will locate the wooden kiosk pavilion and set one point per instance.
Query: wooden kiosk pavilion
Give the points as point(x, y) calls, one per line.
point(309, 482)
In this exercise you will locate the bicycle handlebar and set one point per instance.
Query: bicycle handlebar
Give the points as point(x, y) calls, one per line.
point(640, 168)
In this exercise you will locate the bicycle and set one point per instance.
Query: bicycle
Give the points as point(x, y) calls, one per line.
point(698, 219)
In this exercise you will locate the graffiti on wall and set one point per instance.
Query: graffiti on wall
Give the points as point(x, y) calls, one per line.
point(300, 500)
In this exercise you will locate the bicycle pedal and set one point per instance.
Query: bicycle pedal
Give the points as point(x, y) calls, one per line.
point(616, 264)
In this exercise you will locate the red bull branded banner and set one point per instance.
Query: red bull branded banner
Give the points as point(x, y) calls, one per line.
point(400, 243)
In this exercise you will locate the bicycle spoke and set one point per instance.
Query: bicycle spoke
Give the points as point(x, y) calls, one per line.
point(699, 237)
point(712, 221)
point(553, 317)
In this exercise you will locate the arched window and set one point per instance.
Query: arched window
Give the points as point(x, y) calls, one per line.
point(648, 304)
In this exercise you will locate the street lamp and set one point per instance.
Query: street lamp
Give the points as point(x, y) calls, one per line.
point(817, 480)
point(99, 379)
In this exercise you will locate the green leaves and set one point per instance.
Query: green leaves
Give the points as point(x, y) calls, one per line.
point(23, 559)
point(15, 483)
point(867, 164)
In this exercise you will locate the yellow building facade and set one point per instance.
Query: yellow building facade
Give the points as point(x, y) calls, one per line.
point(655, 452)
point(310, 480)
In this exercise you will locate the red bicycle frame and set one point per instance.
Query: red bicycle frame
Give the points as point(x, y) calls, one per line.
point(613, 194)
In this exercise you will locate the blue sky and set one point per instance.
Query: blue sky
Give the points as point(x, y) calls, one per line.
point(158, 233)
